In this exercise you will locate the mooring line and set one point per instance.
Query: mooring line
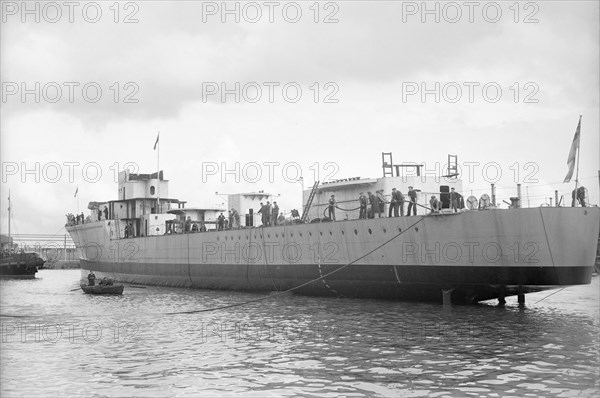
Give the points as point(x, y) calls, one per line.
point(548, 295)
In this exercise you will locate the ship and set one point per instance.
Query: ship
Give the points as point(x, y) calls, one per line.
point(16, 264)
point(466, 255)
point(19, 265)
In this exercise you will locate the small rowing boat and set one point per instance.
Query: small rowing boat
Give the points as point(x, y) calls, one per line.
point(102, 289)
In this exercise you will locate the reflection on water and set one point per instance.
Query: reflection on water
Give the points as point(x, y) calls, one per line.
point(58, 342)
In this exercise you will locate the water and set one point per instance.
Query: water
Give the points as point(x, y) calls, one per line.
point(57, 342)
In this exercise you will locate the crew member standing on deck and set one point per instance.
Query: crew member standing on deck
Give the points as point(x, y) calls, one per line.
point(220, 222)
point(236, 218)
point(105, 213)
point(268, 213)
point(401, 203)
point(435, 204)
point(362, 200)
point(381, 202)
point(331, 208)
point(262, 212)
point(275, 213)
point(454, 197)
point(376, 205)
point(394, 203)
point(372, 200)
point(412, 202)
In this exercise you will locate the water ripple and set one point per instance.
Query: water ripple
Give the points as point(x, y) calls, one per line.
point(291, 345)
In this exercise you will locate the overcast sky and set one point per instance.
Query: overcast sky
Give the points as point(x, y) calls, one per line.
point(324, 88)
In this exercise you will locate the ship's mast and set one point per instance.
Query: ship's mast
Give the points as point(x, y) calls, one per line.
point(578, 156)
point(9, 216)
point(158, 173)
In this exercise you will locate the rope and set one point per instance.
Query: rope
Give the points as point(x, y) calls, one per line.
point(303, 284)
point(548, 295)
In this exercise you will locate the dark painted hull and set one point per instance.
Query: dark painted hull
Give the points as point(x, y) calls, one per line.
point(477, 255)
point(20, 266)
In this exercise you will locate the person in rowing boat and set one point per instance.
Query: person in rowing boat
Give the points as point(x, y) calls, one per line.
point(91, 279)
point(105, 282)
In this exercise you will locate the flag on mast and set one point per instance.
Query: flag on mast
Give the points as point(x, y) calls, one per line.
point(76, 190)
point(572, 152)
point(156, 143)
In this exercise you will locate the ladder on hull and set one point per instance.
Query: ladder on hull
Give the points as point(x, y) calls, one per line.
point(313, 192)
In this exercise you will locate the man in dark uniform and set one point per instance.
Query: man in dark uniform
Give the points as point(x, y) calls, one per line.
point(99, 214)
point(220, 221)
point(412, 202)
point(381, 200)
point(454, 199)
point(105, 213)
point(262, 214)
point(275, 213)
point(331, 208)
point(394, 203)
point(374, 205)
point(268, 211)
point(362, 199)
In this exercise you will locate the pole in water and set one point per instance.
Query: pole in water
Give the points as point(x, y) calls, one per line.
point(447, 297)
point(521, 299)
point(501, 297)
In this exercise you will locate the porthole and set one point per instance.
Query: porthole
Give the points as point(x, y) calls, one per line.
point(330, 233)
point(416, 229)
point(370, 232)
point(399, 229)
point(300, 234)
point(384, 230)
point(310, 234)
point(291, 235)
point(321, 233)
point(355, 232)
point(343, 233)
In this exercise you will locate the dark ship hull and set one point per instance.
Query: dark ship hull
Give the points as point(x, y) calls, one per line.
point(20, 265)
point(477, 255)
